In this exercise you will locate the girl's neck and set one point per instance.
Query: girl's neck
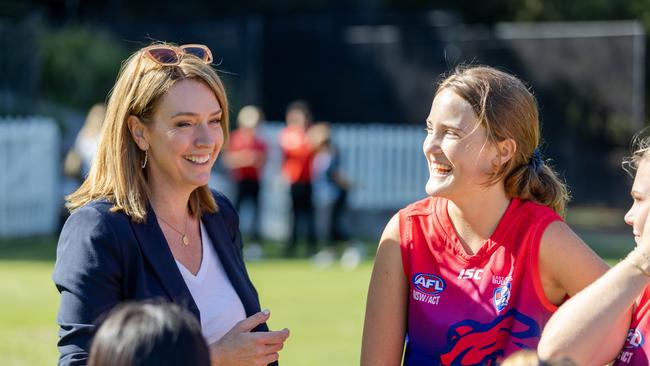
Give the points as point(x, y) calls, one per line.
point(476, 218)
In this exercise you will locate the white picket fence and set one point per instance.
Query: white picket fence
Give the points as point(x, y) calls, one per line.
point(30, 193)
point(384, 163)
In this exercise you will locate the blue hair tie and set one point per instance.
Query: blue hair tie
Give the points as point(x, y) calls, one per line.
point(536, 161)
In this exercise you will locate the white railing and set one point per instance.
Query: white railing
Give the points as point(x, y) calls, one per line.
point(384, 163)
point(30, 194)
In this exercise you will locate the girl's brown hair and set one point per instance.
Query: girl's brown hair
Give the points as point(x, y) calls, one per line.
point(508, 110)
point(116, 173)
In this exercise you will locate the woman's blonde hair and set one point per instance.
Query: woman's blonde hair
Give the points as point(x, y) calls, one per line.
point(116, 173)
point(640, 150)
point(508, 110)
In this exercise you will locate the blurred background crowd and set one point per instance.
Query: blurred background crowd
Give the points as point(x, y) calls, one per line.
point(328, 100)
point(363, 63)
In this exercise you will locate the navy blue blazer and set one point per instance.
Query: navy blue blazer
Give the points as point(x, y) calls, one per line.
point(104, 258)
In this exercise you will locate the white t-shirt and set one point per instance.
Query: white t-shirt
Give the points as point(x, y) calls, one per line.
point(219, 305)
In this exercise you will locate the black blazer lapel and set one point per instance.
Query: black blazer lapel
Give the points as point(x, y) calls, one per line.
point(233, 266)
point(156, 251)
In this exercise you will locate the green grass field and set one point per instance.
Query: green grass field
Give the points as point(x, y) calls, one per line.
point(323, 308)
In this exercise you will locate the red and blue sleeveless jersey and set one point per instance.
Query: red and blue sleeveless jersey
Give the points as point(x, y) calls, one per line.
point(472, 309)
point(636, 350)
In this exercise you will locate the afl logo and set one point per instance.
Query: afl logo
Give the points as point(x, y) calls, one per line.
point(428, 283)
point(634, 338)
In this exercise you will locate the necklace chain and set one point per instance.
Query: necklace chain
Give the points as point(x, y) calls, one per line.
point(184, 240)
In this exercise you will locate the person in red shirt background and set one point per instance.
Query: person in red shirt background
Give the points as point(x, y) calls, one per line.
point(246, 156)
point(296, 168)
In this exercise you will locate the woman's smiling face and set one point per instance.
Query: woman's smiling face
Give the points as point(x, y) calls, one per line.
point(185, 136)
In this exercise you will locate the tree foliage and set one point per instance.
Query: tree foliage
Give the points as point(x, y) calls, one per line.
point(79, 65)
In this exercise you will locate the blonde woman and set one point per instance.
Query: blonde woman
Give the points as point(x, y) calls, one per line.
point(144, 223)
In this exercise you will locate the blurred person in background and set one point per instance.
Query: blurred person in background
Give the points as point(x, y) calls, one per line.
point(330, 188)
point(472, 273)
point(77, 161)
point(144, 223)
point(610, 319)
point(245, 156)
point(149, 333)
point(76, 164)
point(296, 168)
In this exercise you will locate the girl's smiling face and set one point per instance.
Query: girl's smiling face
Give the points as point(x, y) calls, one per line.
point(458, 153)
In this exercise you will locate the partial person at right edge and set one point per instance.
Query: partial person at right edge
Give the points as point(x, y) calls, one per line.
point(530, 358)
point(472, 273)
point(610, 319)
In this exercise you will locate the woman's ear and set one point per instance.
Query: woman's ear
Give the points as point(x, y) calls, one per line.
point(137, 129)
point(507, 149)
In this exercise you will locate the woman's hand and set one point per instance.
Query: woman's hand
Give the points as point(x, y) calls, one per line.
point(241, 347)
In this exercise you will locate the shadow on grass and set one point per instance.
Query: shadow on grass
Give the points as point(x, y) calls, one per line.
point(611, 245)
point(40, 248)
point(273, 249)
point(43, 248)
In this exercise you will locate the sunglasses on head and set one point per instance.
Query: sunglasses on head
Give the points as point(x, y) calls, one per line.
point(168, 55)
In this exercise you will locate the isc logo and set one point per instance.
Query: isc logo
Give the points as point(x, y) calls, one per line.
point(428, 283)
point(470, 274)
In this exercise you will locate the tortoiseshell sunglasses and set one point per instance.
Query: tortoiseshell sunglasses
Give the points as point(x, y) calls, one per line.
point(168, 55)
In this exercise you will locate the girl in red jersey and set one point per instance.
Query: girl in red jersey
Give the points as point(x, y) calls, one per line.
point(610, 319)
point(472, 273)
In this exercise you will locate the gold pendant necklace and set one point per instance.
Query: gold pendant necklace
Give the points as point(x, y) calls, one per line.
point(184, 240)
